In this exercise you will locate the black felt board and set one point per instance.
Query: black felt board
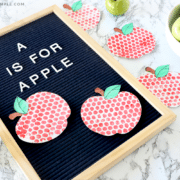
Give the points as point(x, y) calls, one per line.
point(77, 148)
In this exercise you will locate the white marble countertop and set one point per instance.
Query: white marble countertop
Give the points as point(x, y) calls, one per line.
point(159, 158)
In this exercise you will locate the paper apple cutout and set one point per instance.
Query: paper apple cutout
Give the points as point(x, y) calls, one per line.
point(112, 112)
point(176, 29)
point(43, 117)
point(84, 15)
point(131, 42)
point(117, 7)
point(163, 84)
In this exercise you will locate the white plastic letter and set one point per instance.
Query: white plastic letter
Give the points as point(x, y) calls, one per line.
point(9, 71)
point(33, 78)
point(33, 57)
point(65, 63)
point(44, 50)
point(17, 67)
point(56, 70)
point(44, 72)
point(55, 46)
point(23, 85)
point(20, 46)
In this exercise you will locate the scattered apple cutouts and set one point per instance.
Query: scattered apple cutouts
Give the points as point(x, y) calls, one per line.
point(163, 84)
point(131, 42)
point(43, 117)
point(112, 112)
point(84, 15)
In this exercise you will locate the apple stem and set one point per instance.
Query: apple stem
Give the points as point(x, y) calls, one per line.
point(66, 6)
point(100, 91)
point(14, 115)
point(118, 30)
point(148, 69)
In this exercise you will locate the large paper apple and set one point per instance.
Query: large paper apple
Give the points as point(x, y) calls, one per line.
point(86, 16)
point(163, 84)
point(131, 42)
point(43, 117)
point(117, 7)
point(112, 112)
point(176, 29)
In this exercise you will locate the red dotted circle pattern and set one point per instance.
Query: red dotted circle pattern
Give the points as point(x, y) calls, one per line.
point(167, 88)
point(108, 117)
point(45, 120)
point(87, 17)
point(134, 45)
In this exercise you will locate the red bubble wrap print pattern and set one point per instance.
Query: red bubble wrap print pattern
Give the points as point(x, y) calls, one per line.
point(113, 116)
point(87, 17)
point(134, 45)
point(166, 89)
point(45, 120)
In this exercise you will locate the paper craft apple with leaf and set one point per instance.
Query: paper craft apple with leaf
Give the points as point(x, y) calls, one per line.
point(163, 84)
point(84, 15)
point(131, 42)
point(43, 117)
point(111, 113)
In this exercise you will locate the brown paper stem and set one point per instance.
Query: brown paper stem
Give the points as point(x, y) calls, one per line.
point(118, 30)
point(14, 115)
point(100, 91)
point(66, 6)
point(148, 69)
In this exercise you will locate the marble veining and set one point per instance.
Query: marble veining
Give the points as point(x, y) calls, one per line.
point(159, 158)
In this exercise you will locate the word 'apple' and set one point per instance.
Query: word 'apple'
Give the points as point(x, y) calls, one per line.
point(86, 16)
point(43, 117)
point(163, 84)
point(112, 112)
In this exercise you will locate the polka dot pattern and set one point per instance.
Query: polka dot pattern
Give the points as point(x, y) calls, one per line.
point(167, 88)
point(108, 117)
point(134, 45)
point(46, 118)
point(87, 17)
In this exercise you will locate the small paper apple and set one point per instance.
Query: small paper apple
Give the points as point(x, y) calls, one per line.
point(163, 84)
point(131, 42)
point(43, 117)
point(85, 15)
point(117, 7)
point(112, 112)
point(176, 29)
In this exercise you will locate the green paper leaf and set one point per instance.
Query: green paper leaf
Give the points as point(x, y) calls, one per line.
point(76, 6)
point(127, 29)
point(112, 91)
point(162, 71)
point(21, 106)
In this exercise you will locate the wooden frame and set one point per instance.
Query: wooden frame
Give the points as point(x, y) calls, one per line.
point(123, 150)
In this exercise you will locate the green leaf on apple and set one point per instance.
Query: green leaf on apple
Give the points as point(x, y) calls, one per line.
point(127, 29)
point(112, 91)
point(162, 71)
point(76, 6)
point(21, 106)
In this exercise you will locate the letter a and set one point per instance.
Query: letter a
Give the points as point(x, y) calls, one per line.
point(20, 46)
point(23, 85)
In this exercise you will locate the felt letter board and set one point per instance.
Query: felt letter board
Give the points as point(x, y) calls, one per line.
point(78, 152)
